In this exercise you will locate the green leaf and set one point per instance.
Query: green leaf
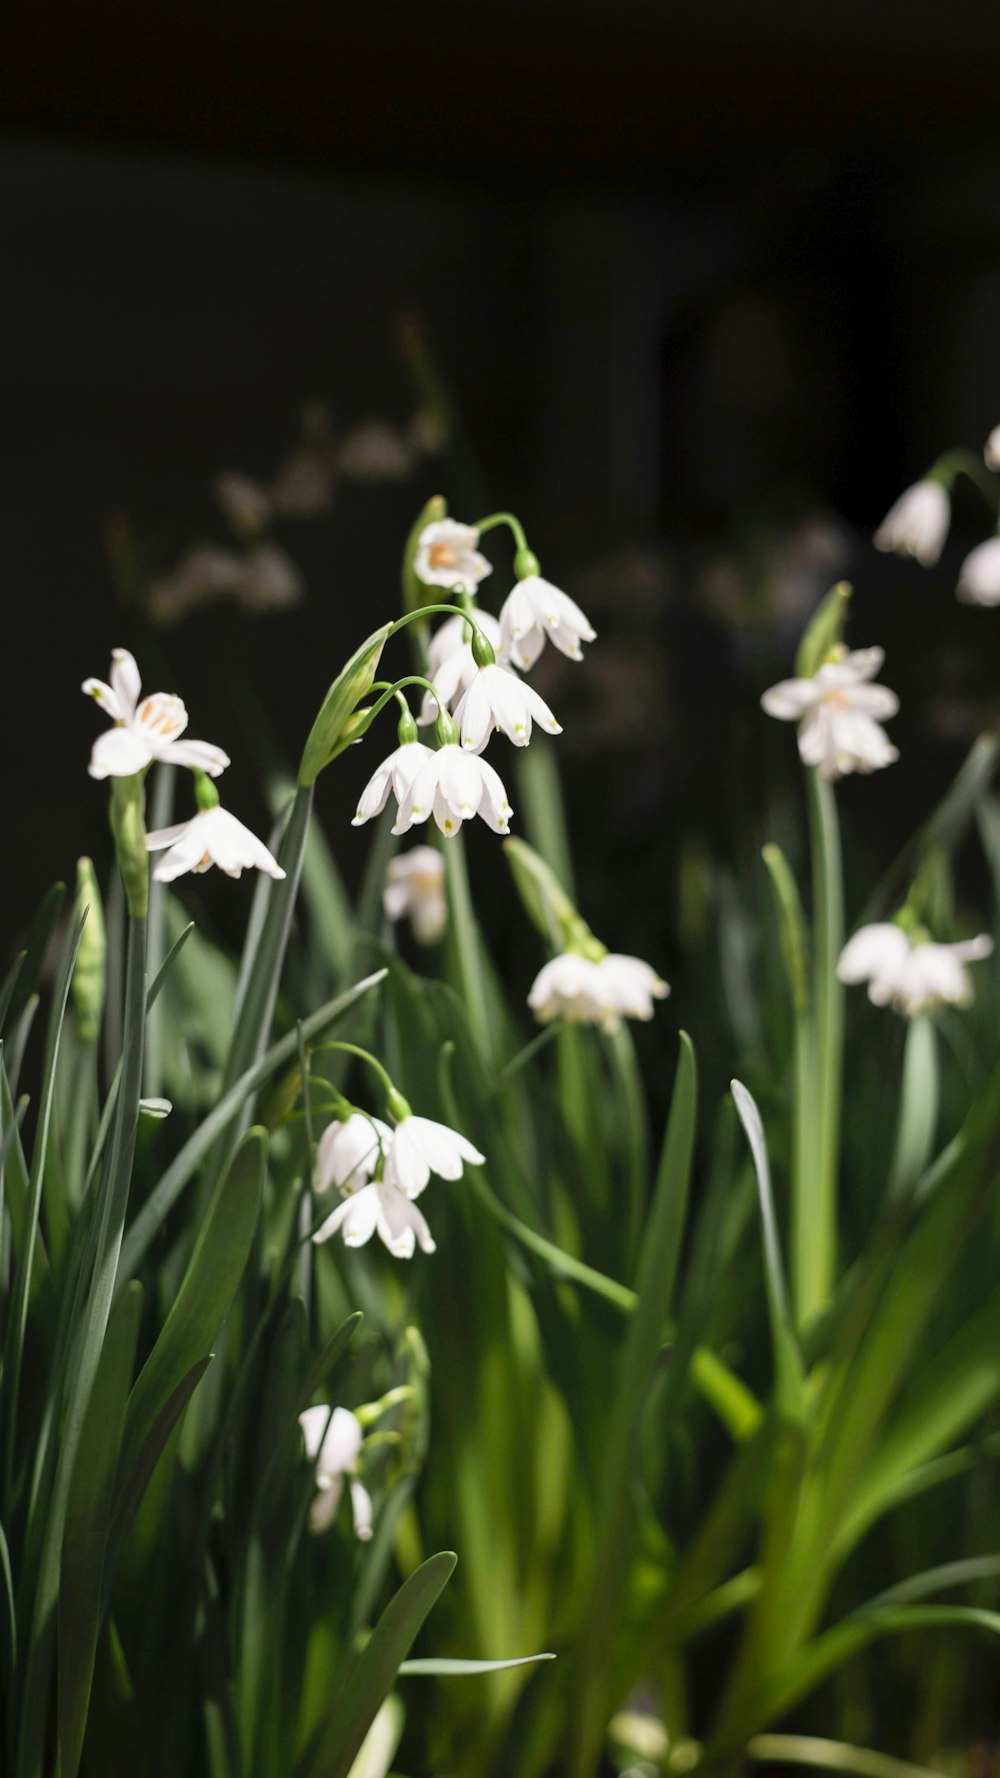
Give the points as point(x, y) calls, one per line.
point(918, 1109)
point(543, 897)
point(36, 949)
point(832, 1756)
point(373, 1671)
point(132, 1487)
point(791, 926)
point(355, 678)
point(788, 1370)
point(446, 1669)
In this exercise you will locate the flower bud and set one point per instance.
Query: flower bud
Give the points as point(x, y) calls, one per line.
point(88, 974)
point(824, 631)
point(327, 735)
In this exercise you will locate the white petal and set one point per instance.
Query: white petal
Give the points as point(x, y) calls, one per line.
point(517, 615)
point(324, 1508)
point(375, 795)
point(790, 699)
point(361, 1506)
point(418, 803)
point(125, 681)
point(539, 709)
point(103, 695)
point(494, 807)
point(314, 1423)
point(197, 755)
point(460, 781)
point(119, 753)
point(186, 854)
point(341, 1445)
point(556, 609)
point(475, 714)
point(877, 951)
point(979, 576)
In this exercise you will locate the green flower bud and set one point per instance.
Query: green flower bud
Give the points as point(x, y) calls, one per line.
point(823, 633)
point(547, 904)
point(327, 735)
point(88, 975)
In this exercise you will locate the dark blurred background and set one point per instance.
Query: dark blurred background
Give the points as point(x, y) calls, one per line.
point(696, 291)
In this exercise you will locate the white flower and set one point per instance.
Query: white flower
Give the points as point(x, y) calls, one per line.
point(453, 786)
point(396, 773)
point(347, 1153)
point(451, 665)
point(497, 698)
point(837, 711)
point(910, 976)
point(534, 610)
point(416, 887)
point(211, 837)
point(143, 731)
point(245, 503)
point(420, 1147)
point(333, 1442)
point(447, 555)
point(991, 449)
point(917, 524)
point(979, 575)
point(375, 452)
point(596, 993)
point(381, 1208)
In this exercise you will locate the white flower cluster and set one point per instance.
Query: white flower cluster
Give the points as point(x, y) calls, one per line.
point(910, 972)
point(380, 1171)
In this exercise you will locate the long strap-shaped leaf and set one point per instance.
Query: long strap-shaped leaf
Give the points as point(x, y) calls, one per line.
point(787, 1358)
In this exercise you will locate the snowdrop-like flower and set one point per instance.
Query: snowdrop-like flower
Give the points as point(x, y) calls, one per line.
point(416, 887)
point(451, 666)
point(917, 524)
point(536, 610)
point(497, 698)
point(910, 976)
point(143, 731)
point(596, 993)
point(979, 575)
point(379, 1208)
point(419, 1147)
point(396, 774)
point(347, 1153)
point(211, 837)
point(447, 555)
point(838, 712)
point(333, 1442)
point(991, 449)
point(453, 786)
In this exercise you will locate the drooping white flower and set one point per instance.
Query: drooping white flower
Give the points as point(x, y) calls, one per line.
point(143, 731)
point(838, 712)
point(917, 524)
point(585, 991)
point(347, 1153)
point(333, 1442)
point(979, 575)
point(419, 1147)
point(453, 786)
point(396, 774)
point(451, 666)
point(535, 610)
point(447, 555)
point(910, 976)
point(416, 887)
point(497, 698)
point(991, 449)
point(211, 837)
point(379, 1208)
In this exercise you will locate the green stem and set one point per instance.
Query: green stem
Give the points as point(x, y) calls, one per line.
point(962, 462)
point(504, 518)
point(410, 617)
point(354, 1049)
point(817, 1250)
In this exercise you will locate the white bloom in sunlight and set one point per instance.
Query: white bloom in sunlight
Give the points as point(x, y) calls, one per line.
point(396, 774)
point(497, 698)
point(211, 837)
point(447, 555)
point(379, 1208)
point(143, 731)
point(917, 524)
point(596, 993)
point(420, 1147)
point(910, 976)
point(991, 449)
point(347, 1153)
point(416, 887)
point(979, 575)
point(453, 786)
point(838, 712)
point(450, 662)
point(535, 610)
point(333, 1442)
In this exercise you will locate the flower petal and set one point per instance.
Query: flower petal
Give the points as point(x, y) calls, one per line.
point(119, 753)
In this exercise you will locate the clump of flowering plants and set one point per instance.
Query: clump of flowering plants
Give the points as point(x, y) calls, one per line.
point(317, 1268)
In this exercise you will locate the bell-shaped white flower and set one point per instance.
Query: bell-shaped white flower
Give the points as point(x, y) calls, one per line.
point(143, 731)
point(907, 975)
point(917, 524)
point(534, 611)
point(211, 837)
point(447, 555)
point(348, 1152)
point(601, 992)
point(497, 698)
point(838, 712)
point(453, 786)
point(991, 449)
point(451, 666)
point(979, 575)
point(416, 887)
point(379, 1208)
point(333, 1443)
point(419, 1147)
point(396, 774)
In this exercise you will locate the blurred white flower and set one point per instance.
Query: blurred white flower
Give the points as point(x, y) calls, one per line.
point(419, 1147)
point(333, 1443)
point(264, 579)
point(837, 711)
point(497, 698)
point(910, 976)
point(979, 575)
point(416, 887)
point(917, 524)
point(213, 836)
point(450, 663)
point(453, 786)
point(596, 993)
point(396, 774)
point(245, 503)
point(374, 451)
point(991, 449)
point(379, 1208)
point(535, 610)
point(447, 554)
point(348, 1152)
point(269, 580)
point(143, 731)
